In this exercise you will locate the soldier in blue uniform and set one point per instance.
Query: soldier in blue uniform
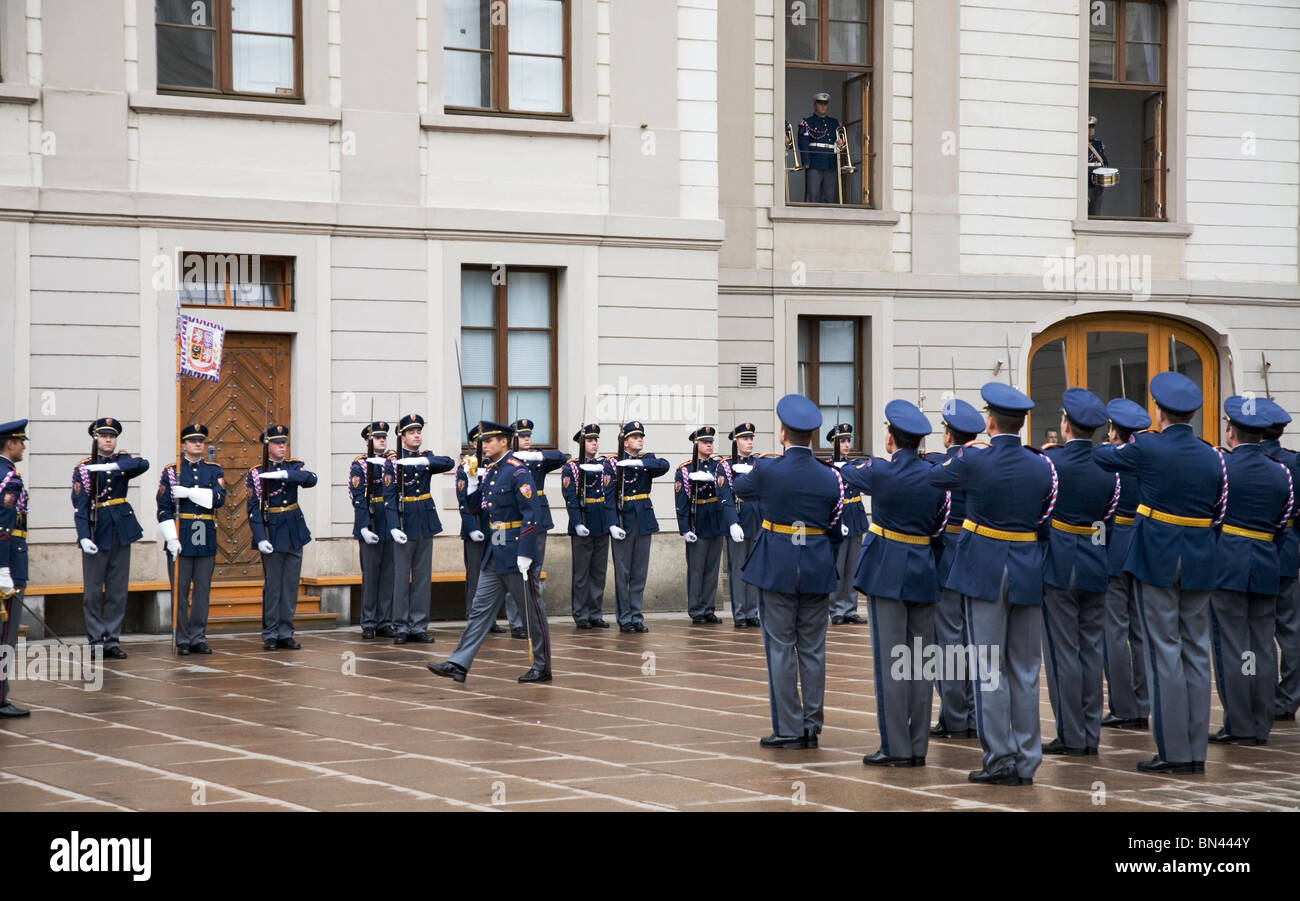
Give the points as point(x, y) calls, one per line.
point(631, 473)
point(1243, 607)
point(99, 485)
point(585, 485)
point(370, 528)
point(1182, 491)
point(280, 532)
point(539, 463)
point(705, 515)
point(188, 493)
point(1076, 575)
point(793, 565)
point(13, 551)
point(998, 568)
point(473, 533)
point(853, 528)
point(412, 521)
point(962, 424)
point(1287, 623)
point(504, 489)
point(1124, 646)
point(817, 142)
point(744, 596)
point(898, 574)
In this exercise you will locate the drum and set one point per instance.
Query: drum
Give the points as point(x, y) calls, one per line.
point(1105, 176)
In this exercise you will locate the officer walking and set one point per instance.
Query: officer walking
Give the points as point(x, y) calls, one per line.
point(962, 423)
point(1243, 607)
point(1182, 490)
point(370, 528)
point(106, 528)
point(998, 568)
point(412, 521)
point(631, 473)
point(539, 463)
point(585, 485)
point(280, 532)
point(817, 143)
point(505, 491)
point(744, 596)
point(13, 551)
point(705, 513)
point(793, 566)
point(473, 533)
point(188, 491)
point(897, 573)
point(853, 527)
point(1124, 646)
point(1076, 576)
point(1287, 696)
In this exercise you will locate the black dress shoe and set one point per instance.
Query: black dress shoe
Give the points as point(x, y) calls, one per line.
point(712, 619)
point(1171, 768)
point(1198, 767)
point(796, 743)
point(10, 711)
point(183, 650)
point(450, 670)
point(630, 628)
point(289, 644)
point(999, 777)
point(269, 645)
point(421, 637)
point(1056, 746)
point(1111, 721)
point(944, 732)
point(837, 620)
point(496, 629)
point(385, 632)
point(518, 633)
point(1284, 717)
point(698, 620)
point(741, 623)
point(598, 624)
point(536, 675)
point(367, 633)
point(582, 624)
point(399, 638)
point(854, 619)
point(918, 761)
point(1119, 722)
point(880, 758)
point(200, 648)
point(1222, 737)
point(640, 627)
point(753, 622)
point(1251, 741)
point(115, 653)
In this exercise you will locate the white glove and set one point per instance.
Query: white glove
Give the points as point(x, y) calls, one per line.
point(88, 546)
point(173, 547)
point(737, 533)
point(475, 535)
point(743, 468)
point(369, 537)
point(202, 497)
point(618, 533)
point(103, 467)
point(273, 475)
point(180, 492)
point(592, 467)
point(6, 581)
point(523, 563)
point(378, 461)
point(629, 462)
point(839, 464)
point(398, 535)
point(691, 537)
point(530, 456)
point(701, 477)
point(167, 532)
point(413, 461)
point(471, 484)
point(266, 547)
point(581, 531)
point(844, 530)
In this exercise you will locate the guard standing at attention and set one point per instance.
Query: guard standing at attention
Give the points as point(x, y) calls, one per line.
point(585, 485)
point(1183, 489)
point(817, 143)
point(539, 463)
point(280, 532)
point(631, 473)
point(1287, 697)
point(370, 528)
point(793, 564)
point(998, 568)
point(705, 513)
point(853, 527)
point(897, 573)
point(744, 596)
point(13, 551)
point(106, 528)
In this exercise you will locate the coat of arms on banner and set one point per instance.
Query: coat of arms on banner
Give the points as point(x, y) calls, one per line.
point(201, 343)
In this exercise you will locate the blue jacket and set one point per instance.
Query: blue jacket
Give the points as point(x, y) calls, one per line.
point(506, 496)
point(551, 461)
point(1085, 498)
point(469, 521)
point(636, 490)
point(408, 497)
point(284, 525)
point(197, 529)
point(945, 549)
point(795, 488)
point(1178, 474)
point(13, 522)
point(747, 513)
point(1260, 500)
point(115, 522)
point(1119, 535)
point(375, 516)
point(597, 513)
point(816, 139)
point(1289, 548)
point(855, 509)
point(1008, 488)
point(904, 506)
point(715, 510)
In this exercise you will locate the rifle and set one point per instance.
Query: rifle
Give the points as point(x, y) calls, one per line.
point(835, 438)
point(735, 455)
point(397, 474)
point(370, 474)
point(622, 455)
point(1010, 379)
point(690, 483)
point(266, 461)
point(581, 440)
point(93, 514)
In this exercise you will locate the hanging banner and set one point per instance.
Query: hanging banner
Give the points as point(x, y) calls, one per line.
point(201, 343)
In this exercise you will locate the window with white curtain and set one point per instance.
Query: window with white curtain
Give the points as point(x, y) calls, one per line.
point(506, 56)
point(239, 47)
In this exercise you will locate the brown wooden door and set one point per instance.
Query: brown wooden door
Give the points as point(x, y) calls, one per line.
point(253, 391)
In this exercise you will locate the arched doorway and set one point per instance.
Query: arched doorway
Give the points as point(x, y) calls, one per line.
point(1115, 355)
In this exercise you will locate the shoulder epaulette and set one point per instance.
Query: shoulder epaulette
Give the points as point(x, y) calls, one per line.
point(83, 460)
point(293, 460)
point(975, 442)
point(1048, 445)
point(358, 458)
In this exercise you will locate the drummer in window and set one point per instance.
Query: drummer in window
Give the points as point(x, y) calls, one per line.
point(1096, 159)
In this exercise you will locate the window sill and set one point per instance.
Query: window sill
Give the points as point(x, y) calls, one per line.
point(511, 125)
point(833, 214)
point(19, 93)
point(179, 105)
point(1134, 228)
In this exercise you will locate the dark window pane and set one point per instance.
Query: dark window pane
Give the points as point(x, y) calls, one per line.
point(467, 78)
point(1142, 63)
point(848, 42)
point(1117, 365)
point(1184, 359)
point(184, 57)
point(801, 40)
point(1101, 60)
point(1047, 386)
point(1101, 20)
point(184, 12)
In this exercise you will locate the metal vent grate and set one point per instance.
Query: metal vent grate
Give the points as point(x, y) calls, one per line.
point(748, 375)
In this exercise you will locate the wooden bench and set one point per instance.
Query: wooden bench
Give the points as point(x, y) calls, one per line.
point(44, 591)
point(355, 579)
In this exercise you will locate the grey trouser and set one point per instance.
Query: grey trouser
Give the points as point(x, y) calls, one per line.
point(105, 576)
point(631, 562)
point(902, 704)
point(956, 696)
point(491, 587)
point(280, 571)
point(376, 584)
point(9, 638)
point(1242, 624)
point(590, 563)
point(744, 597)
point(844, 599)
point(473, 569)
point(794, 640)
point(412, 585)
point(1123, 649)
point(1072, 653)
point(1177, 630)
point(820, 186)
point(1287, 698)
point(192, 608)
point(702, 559)
point(514, 603)
point(1006, 696)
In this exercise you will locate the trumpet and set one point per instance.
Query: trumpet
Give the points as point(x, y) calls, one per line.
point(843, 158)
point(792, 149)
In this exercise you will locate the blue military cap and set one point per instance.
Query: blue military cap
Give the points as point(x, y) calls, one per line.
point(1005, 399)
point(16, 429)
point(194, 431)
point(799, 413)
point(905, 417)
point(962, 417)
point(277, 433)
point(703, 433)
point(590, 430)
point(488, 429)
point(1176, 392)
point(631, 429)
point(840, 430)
point(106, 426)
point(522, 426)
point(743, 430)
point(1244, 412)
point(473, 433)
point(1084, 408)
point(376, 429)
point(1128, 415)
point(1273, 411)
point(410, 421)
